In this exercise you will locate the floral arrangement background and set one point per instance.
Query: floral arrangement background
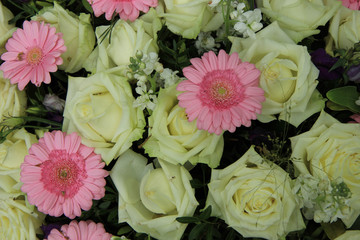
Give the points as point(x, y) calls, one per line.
point(162, 119)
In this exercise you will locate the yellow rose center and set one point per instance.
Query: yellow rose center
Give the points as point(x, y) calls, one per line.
point(279, 80)
point(178, 122)
point(156, 194)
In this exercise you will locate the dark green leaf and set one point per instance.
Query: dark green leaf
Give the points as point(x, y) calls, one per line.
point(206, 213)
point(112, 216)
point(124, 230)
point(340, 63)
point(196, 183)
point(187, 219)
point(196, 231)
point(105, 205)
point(87, 6)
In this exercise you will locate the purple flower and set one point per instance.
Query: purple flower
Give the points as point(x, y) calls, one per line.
point(324, 62)
point(47, 228)
point(354, 73)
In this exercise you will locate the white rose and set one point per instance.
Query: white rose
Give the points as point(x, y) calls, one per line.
point(12, 153)
point(18, 219)
point(255, 198)
point(188, 17)
point(12, 101)
point(151, 199)
point(288, 76)
point(331, 149)
point(344, 30)
point(100, 109)
point(77, 31)
point(349, 234)
point(299, 18)
point(175, 139)
point(116, 48)
point(6, 29)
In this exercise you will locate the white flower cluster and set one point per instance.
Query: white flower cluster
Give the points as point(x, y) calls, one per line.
point(322, 200)
point(247, 22)
point(205, 42)
point(142, 69)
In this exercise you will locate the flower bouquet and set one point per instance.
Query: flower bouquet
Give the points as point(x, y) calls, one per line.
point(192, 119)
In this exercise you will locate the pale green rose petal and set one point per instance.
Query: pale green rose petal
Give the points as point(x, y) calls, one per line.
point(187, 18)
point(6, 29)
point(250, 196)
point(344, 30)
point(349, 234)
point(12, 101)
point(116, 48)
point(331, 149)
point(175, 139)
point(77, 32)
point(288, 77)
point(18, 219)
point(100, 109)
point(299, 18)
point(139, 197)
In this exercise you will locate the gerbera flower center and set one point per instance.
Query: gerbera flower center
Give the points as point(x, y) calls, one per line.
point(34, 56)
point(220, 89)
point(62, 173)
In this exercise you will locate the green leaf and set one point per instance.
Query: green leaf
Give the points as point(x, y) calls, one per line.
point(209, 233)
point(104, 205)
point(345, 96)
point(87, 6)
point(335, 107)
point(196, 183)
point(124, 230)
point(187, 219)
point(206, 213)
point(112, 216)
point(196, 231)
point(340, 63)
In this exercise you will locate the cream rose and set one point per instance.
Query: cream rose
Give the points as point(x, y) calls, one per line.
point(77, 31)
point(125, 40)
point(331, 148)
point(288, 76)
point(12, 101)
point(6, 29)
point(151, 199)
point(18, 219)
point(188, 17)
point(299, 18)
point(349, 234)
point(255, 198)
point(175, 139)
point(344, 30)
point(100, 109)
point(12, 153)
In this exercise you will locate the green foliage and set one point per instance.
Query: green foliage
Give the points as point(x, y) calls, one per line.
point(344, 98)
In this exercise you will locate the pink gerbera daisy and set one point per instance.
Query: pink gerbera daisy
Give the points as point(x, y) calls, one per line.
point(221, 92)
point(127, 9)
point(62, 176)
point(82, 230)
point(351, 4)
point(32, 53)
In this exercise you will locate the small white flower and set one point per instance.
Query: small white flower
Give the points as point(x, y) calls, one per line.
point(53, 103)
point(248, 23)
point(150, 61)
point(205, 42)
point(169, 76)
point(357, 102)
